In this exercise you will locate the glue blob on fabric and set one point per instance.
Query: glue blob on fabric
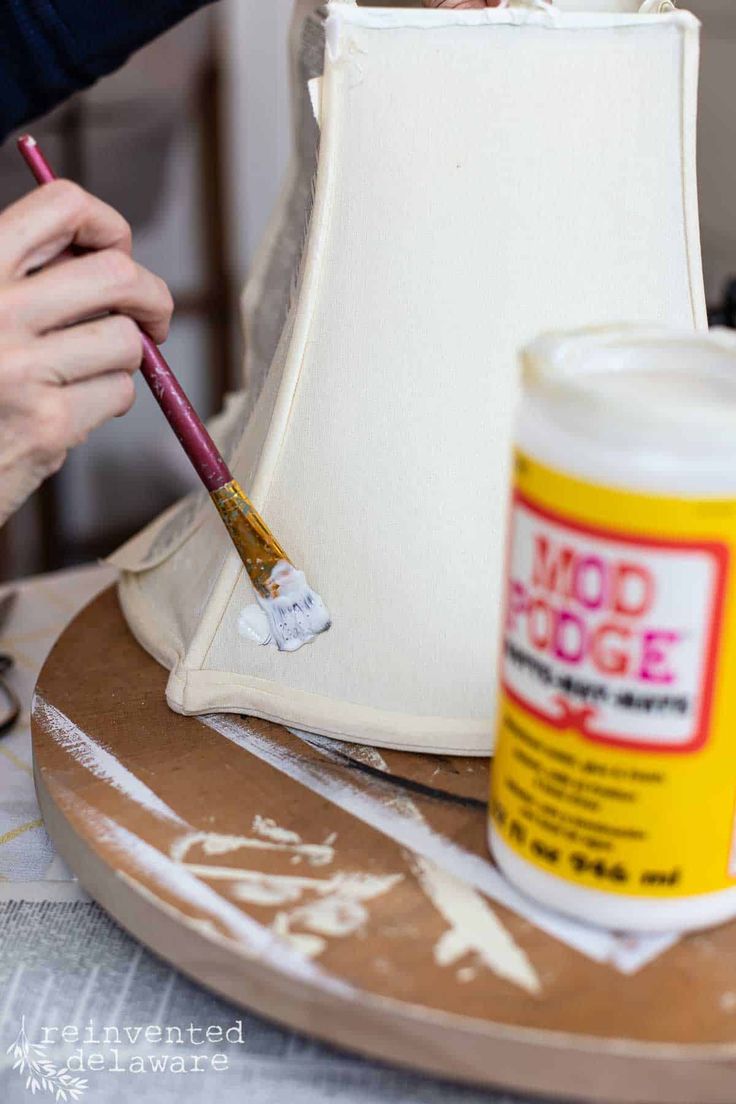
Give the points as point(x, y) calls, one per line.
point(613, 794)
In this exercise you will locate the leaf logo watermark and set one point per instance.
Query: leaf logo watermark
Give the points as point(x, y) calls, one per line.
point(43, 1075)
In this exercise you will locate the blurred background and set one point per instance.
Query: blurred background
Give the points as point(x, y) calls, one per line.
point(191, 141)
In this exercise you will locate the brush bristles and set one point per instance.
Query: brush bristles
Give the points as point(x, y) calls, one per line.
point(295, 613)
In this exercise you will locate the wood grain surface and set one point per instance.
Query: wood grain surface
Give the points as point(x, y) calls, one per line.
point(195, 844)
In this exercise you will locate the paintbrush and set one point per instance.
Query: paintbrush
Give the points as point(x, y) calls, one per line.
point(295, 613)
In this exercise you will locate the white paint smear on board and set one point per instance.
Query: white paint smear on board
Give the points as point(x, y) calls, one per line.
point(216, 843)
point(256, 939)
point(337, 911)
point(330, 917)
point(626, 953)
point(474, 929)
point(337, 907)
point(269, 829)
point(98, 760)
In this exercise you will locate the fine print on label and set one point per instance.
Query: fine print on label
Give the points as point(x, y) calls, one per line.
point(614, 765)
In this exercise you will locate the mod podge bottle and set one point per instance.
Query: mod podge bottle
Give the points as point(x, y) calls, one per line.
point(613, 794)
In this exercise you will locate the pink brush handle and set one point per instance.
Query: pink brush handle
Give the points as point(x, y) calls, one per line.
point(167, 391)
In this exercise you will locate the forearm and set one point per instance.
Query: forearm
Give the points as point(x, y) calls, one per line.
point(52, 48)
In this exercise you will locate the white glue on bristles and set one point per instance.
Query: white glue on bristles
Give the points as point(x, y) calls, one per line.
point(290, 617)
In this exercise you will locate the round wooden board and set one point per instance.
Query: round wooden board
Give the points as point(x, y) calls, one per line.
point(188, 837)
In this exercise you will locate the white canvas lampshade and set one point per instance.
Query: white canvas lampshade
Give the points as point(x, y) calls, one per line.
point(482, 176)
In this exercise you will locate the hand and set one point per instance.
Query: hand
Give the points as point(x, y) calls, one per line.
point(61, 376)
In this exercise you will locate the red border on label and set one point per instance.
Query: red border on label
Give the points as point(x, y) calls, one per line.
point(717, 550)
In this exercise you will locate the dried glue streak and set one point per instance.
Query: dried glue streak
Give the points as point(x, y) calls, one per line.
point(614, 778)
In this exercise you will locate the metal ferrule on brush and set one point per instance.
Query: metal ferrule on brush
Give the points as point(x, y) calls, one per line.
point(256, 545)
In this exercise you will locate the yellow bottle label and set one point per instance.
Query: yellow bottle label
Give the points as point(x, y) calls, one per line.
point(615, 763)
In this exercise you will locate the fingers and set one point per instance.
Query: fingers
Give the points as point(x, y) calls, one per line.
point(38, 227)
point(111, 344)
point(65, 357)
point(64, 416)
point(40, 420)
point(83, 287)
point(93, 402)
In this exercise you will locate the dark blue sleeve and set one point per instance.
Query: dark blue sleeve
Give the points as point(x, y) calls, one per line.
point(51, 48)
